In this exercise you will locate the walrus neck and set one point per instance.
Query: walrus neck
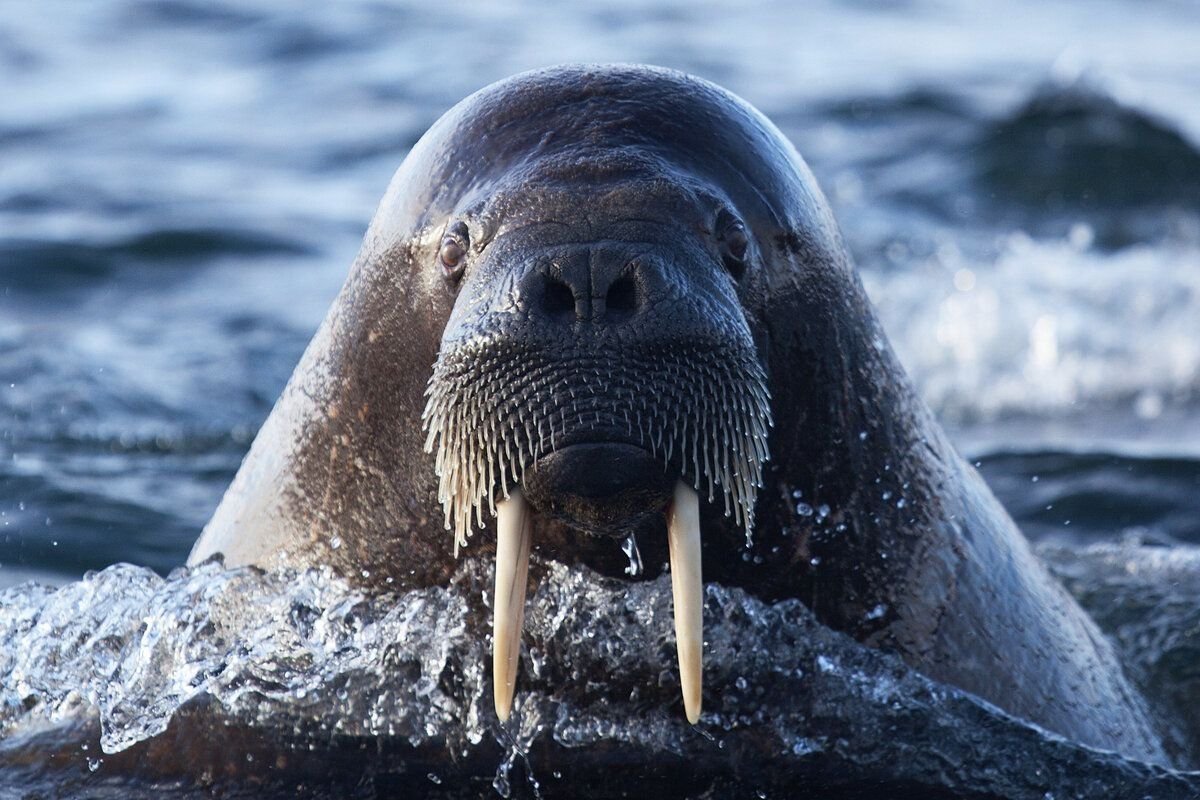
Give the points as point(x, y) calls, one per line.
point(858, 461)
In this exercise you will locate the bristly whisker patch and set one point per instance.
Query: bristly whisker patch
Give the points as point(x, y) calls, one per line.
point(495, 407)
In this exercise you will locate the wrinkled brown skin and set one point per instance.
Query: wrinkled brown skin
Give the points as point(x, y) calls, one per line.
point(946, 580)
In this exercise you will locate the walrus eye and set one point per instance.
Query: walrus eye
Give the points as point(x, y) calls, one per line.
point(734, 245)
point(453, 252)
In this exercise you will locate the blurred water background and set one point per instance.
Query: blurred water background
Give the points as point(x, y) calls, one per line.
point(183, 185)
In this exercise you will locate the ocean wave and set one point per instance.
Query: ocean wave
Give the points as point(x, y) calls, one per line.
point(39, 265)
point(1087, 498)
point(72, 503)
point(286, 667)
point(1074, 152)
point(1076, 146)
point(1049, 328)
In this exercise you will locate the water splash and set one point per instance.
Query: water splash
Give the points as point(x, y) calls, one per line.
point(309, 657)
point(1049, 329)
point(137, 648)
point(630, 548)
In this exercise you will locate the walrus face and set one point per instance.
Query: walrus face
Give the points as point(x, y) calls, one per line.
point(600, 267)
point(597, 354)
point(597, 367)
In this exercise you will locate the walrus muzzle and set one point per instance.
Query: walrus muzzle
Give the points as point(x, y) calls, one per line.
point(598, 419)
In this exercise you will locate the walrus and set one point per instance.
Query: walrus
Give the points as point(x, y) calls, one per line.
point(609, 304)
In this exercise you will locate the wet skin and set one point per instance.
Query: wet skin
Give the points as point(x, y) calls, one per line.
point(571, 248)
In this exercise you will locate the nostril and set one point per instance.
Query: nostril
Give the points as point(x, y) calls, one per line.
point(558, 298)
point(622, 296)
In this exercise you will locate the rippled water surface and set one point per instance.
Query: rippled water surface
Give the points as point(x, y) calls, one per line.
point(184, 184)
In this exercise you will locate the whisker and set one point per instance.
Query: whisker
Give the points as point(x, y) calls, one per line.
point(493, 409)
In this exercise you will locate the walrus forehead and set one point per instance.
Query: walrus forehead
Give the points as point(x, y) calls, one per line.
point(590, 194)
point(578, 126)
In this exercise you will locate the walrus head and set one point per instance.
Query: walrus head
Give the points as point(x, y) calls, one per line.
point(586, 296)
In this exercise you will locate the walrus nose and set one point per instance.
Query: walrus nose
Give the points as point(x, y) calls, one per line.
point(594, 284)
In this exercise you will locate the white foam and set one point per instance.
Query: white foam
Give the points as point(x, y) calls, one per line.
point(1049, 329)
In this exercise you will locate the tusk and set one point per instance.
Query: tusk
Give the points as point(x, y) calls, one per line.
point(513, 534)
point(683, 538)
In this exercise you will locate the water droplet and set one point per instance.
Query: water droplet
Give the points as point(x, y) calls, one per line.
point(500, 782)
point(901, 503)
point(94, 764)
point(433, 778)
point(335, 542)
point(1034, 479)
point(629, 546)
point(862, 436)
point(964, 280)
point(804, 509)
point(887, 495)
point(740, 683)
point(822, 511)
point(1081, 236)
point(1148, 405)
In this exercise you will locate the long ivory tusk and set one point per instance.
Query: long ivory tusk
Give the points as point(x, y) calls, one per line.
point(683, 538)
point(513, 535)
